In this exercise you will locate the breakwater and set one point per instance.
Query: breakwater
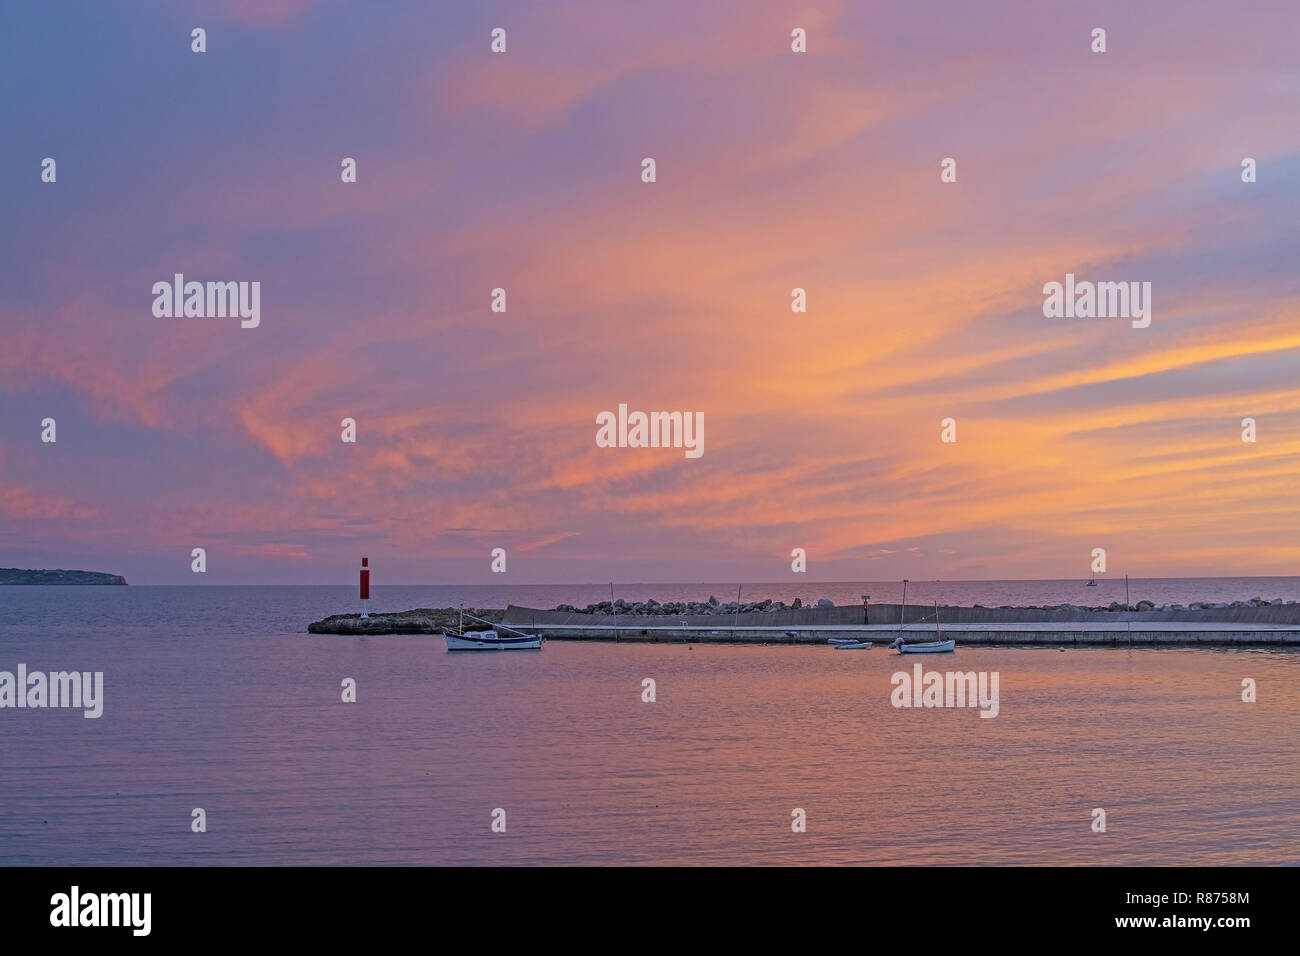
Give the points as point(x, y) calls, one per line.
point(1240, 623)
point(421, 620)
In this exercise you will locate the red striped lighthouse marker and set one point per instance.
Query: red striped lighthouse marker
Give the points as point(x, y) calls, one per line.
point(365, 588)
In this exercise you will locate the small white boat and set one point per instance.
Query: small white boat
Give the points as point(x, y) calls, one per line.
point(926, 647)
point(852, 645)
point(840, 640)
point(490, 640)
point(929, 647)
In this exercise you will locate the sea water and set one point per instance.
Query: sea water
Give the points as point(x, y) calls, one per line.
point(216, 699)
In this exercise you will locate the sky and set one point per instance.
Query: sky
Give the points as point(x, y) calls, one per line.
point(775, 170)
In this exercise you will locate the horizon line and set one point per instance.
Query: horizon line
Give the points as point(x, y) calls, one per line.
point(1099, 578)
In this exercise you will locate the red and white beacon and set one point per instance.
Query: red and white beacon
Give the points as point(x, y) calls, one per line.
point(365, 588)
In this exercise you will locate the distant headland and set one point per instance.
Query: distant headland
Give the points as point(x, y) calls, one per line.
point(57, 576)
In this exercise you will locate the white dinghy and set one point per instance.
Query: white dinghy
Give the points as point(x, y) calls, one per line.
point(852, 645)
point(926, 647)
point(490, 640)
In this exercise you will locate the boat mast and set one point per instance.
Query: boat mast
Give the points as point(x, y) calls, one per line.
point(902, 611)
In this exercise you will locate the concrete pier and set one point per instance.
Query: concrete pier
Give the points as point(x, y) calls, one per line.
point(1077, 634)
point(1265, 626)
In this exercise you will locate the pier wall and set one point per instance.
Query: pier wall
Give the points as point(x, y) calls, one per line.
point(888, 614)
point(1029, 636)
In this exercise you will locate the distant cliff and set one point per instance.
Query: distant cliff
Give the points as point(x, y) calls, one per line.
point(59, 576)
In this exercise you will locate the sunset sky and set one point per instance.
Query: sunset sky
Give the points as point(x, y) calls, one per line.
point(775, 170)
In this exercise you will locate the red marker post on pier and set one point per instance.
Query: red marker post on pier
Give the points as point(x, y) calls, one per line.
point(365, 588)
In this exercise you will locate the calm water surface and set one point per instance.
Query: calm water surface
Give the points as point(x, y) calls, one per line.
point(215, 698)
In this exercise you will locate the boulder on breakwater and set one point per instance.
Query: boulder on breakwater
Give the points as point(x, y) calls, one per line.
point(677, 608)
point(1256, 609)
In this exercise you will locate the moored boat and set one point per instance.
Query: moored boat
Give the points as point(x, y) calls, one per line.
point(928, 647)
point(490, 639)
point(852, 645)
point(938, 646)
